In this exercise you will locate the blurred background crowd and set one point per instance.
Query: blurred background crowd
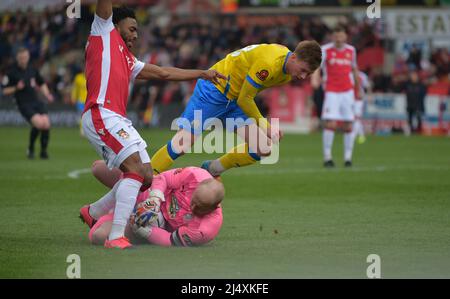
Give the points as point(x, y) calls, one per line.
point(171, 34)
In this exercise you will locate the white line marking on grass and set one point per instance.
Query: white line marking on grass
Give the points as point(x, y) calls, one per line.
point(75, 174)
point(37, 178)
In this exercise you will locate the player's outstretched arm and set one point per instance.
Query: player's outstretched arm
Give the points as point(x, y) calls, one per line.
point(357, 82)
point(154, 72)
point(7, 91)
point(104, 9)
point(161, 237)
point(11, 88)
point(246, 101)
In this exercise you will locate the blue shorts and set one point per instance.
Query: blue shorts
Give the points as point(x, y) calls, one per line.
point(79, 106)
point(207, 106)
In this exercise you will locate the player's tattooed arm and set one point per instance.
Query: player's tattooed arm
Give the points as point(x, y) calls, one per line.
point(104, 9)
point(154, 72)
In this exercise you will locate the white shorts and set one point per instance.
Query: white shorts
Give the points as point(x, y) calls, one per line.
point(339, 106)
point(113, 136)
point(359, 109)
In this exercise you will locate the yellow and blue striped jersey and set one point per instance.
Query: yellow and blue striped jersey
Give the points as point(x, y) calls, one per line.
point(262, 65)
point(79, 91)
point(251, 70)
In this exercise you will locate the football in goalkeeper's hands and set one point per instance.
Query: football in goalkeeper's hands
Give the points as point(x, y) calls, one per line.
point(148, 213)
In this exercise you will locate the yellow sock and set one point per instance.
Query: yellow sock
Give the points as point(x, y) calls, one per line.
point(238, 156)
point(148, 114)
point(163, 159)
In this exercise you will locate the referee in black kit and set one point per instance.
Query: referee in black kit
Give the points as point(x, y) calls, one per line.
point(22, 81)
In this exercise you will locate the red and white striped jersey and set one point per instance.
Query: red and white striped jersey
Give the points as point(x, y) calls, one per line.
point(337, 66)
point(110, 66)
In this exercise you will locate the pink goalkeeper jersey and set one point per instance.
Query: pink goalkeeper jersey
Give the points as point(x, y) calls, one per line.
point(110, 66)
point(178, 186)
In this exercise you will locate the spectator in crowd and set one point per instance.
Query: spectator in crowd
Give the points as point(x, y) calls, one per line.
point(192, 41)
point(415, 58)
point(415, 96)
point(381, 82)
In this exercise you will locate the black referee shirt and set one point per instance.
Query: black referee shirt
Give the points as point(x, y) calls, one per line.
point(30, 77)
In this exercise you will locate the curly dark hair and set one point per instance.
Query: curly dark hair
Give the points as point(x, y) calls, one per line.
point(122, 12)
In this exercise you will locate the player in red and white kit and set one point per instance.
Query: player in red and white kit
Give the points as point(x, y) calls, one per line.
point(110, 66)
point(340, 71)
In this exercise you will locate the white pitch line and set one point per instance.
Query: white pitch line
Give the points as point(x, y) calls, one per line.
point(75, 174)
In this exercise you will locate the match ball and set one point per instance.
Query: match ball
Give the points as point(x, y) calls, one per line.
point(148, 213)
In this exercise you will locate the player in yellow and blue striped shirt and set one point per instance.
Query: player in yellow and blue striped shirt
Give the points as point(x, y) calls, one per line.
point(248, 71)
point(79, 94)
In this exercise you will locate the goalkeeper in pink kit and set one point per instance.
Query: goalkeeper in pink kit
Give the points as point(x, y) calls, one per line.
point(190, 204)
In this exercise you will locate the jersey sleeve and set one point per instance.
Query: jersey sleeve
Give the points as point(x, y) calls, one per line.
point(101, 26)
point(160, 237)
point(181, 237)
point(193, 235)
point(186, 237)
point(9, 80)
point(246, 101)
point(138, 66)
point(259, 75)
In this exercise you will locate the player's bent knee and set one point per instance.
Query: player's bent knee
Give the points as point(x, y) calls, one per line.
point(98, 169)
point(99, 237)
point(38, 122)
point(46, 122)
point(97, 164)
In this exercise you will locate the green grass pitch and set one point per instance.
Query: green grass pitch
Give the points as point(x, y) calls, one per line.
point(293, 219)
